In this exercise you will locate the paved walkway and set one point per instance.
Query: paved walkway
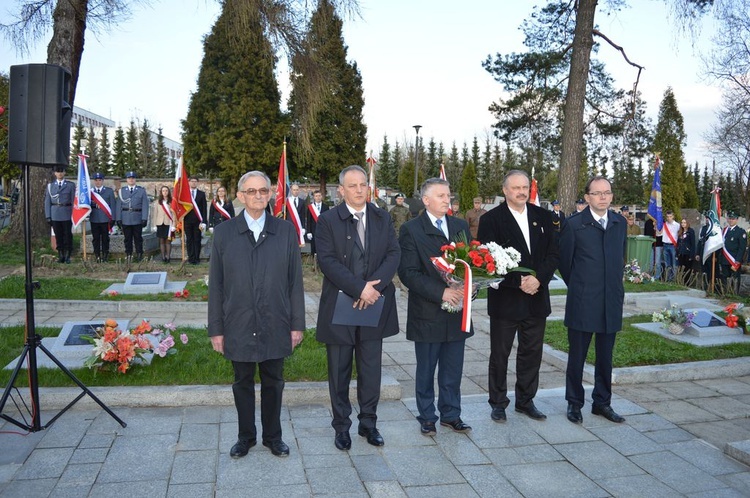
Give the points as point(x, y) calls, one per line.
point(673, 443)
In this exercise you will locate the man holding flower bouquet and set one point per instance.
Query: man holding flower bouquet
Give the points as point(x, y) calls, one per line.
point(437, 335)
point(520, 304)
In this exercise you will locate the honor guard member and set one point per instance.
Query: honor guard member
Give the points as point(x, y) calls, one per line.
point(400, 214)
point(102, 216)
point(557, 216)
point(735, 242)
point(132, 215)
point(58, 209)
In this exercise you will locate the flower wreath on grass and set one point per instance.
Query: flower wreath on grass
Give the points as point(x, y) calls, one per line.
point(634, 274)
point(117, 350)
point(673, 315)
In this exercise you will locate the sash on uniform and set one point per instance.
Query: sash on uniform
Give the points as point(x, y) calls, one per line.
point(732, 262)
point(669, 235)
point(313, 212)
point(195, 208)
point(99, 200)
point(165, 207)
point(221, 209)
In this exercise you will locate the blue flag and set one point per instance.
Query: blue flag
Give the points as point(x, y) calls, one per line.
point(654, 203)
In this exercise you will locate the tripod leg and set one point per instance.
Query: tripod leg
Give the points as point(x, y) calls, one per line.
point(8, 388)
point(81, 385)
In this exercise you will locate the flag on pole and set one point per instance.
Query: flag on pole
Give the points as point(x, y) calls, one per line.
point(654, 203)
point(182, 201)
point(372, 191)
point(282, 187)
point(714, 239)
point(445, 178)
point(82, 201)
point(534, 195)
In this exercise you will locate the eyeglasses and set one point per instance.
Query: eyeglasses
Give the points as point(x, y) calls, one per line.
point(253, 191)
point(601, 194)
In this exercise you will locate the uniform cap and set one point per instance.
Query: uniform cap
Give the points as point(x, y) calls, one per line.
point(400, 196)
point(477, 199)
point(555, 202)
point(732, 215)
point(580, 201)
point(98, 176)
point(131, 174)
point(624, 208)
point(60, 168)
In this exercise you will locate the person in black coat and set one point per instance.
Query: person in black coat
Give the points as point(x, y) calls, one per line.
point(221, 209)
point(365, 273)
point(437, 335)
point(685, 246)
point(592, 257)
point(194, 222)
point(558, 216)
point(314, 209)
point(521, 302)
point(300, 204)
point(256, 309)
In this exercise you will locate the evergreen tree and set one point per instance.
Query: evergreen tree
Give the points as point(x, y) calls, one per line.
point(387, 172)
point(432, 160)
point(92, 150)
point(162, 165)
point(132, 149)
point(453, 168)
point(484, 168)
point(398, 161)
point(234, 123)
point(706, 187)
point(340, 135)
point(119, 153)
point(668, 143)
point(105, 153)
point(475, 157)
point(79, 135)
point(406, 177)
point(469, 187)
point(7, 169)
point(146, 152)
point(691, 194)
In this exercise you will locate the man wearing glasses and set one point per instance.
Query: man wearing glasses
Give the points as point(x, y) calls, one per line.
point(256, 310)
point(592, 256)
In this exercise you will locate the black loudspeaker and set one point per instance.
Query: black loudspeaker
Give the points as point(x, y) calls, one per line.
point(39, 115)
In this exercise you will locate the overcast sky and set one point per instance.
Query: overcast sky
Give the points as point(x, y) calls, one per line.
point(420, 63)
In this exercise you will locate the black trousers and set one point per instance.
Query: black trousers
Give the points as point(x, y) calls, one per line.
point(271, 389)
point(579, 347)
point(63, 235)
point(448, 358)
point(133, 234)
point(100, 238)
point(193, 241)
point(368, 356)
point(528, 358)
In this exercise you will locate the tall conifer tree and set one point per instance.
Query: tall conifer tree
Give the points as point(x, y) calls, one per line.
point(668, 143)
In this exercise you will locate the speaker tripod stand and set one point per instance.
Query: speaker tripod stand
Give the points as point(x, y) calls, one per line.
point(33, 342)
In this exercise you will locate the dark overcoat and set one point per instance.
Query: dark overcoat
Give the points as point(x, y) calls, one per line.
point(335, 233)
point(420, 240)
point(191, 218)
point(255, 294)
point(591, 263)
point(509, 302)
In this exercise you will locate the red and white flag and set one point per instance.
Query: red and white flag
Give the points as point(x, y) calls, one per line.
point(283, 206)
point(534, 195)
point(182, 200)
point(82, 201)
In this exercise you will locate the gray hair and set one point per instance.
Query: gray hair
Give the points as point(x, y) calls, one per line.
point(247, 175)
point(515, 172)
point(431, 182)
point(346, 170)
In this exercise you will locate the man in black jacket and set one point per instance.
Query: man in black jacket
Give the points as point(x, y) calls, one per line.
point(521, 303)
point(438, 339)
point(195, 222)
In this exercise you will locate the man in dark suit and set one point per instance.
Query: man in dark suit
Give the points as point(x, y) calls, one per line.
point(557, 215)
point(521, 303)
point(194, 222)
point(256, 308)
point(314, 210)
point(300, 205)
point(358, 254)
point(592, 256)
point(102, 216)
point(437, 335)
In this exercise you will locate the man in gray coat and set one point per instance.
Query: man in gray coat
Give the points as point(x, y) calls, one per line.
point(58, 209)
point(256, 311)
point(592, 257)
point(132, 215)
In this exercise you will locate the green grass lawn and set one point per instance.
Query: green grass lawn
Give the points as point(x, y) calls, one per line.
point(195, 363)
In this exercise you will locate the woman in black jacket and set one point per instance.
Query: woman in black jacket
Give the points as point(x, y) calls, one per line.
point(221, 209)
point(685, 246)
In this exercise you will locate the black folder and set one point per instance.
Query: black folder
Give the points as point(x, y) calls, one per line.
point(345, 314)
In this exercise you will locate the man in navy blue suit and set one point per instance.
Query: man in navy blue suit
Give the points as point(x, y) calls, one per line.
point(592, 257)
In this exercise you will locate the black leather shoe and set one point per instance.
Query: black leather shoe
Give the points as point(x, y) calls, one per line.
point(574, 414)
point(498, 414)
point(373, 436)
point(427, 428)
point(278, 447)
point(241, 447)
point(531, 411)
point(457, 425)
point(343, 441)
point(608, 413)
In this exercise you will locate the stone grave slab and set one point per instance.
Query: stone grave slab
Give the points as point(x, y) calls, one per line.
point(708, 329)
point(557, 283)
point(149, 282)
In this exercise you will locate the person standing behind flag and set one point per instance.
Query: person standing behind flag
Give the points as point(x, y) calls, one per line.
point(102, 217)
point(314, 210)
point(194, 222)
point(300, 205)
point(132, 216)
point(163, 221)
point(735, 242)
point(58, 209)
point(669, 234)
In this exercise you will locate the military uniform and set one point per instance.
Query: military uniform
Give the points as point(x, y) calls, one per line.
point(101, 221)
point(132, 216)
point(58, 209)
point(472, 217)
point(399, 215)
point(735, 242)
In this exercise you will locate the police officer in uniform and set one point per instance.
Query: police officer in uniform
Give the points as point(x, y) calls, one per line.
point(100, 219)
point(400, 214)
point(132, 215)
point(58, 209)
point(557, 216)
point(735, 242)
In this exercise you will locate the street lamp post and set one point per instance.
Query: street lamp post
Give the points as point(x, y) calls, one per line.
point(416, 163)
